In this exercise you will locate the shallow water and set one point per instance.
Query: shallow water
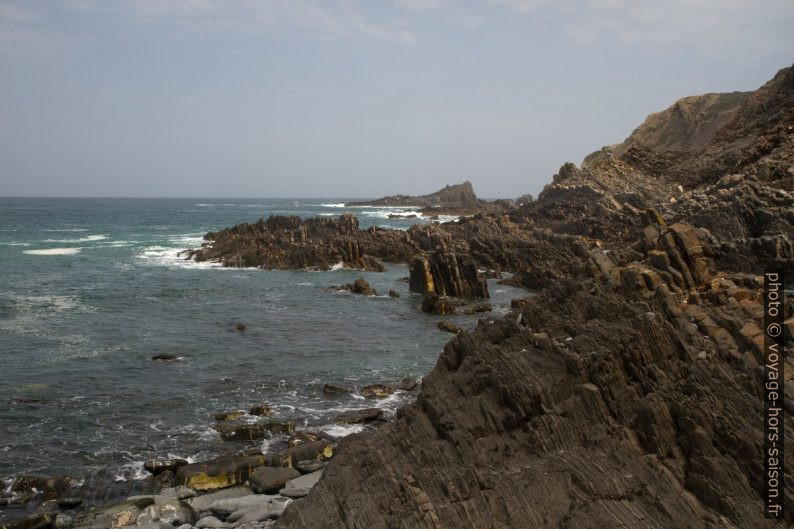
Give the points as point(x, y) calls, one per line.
point(91, 289)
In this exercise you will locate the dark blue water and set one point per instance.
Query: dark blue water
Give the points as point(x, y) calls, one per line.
point(90, 289)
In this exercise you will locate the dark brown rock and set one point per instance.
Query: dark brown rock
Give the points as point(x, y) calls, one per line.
point(448, 326)
point(228, 415)
point(156, 466)
point(240, 431)
point(625, 391)
point(303, 452)
point(268, 480)
point(447, 274)
point(407, 384)
point(359, 416)
point(220, 472)
point(376, 391)
point(165, 357)
point(333, 390)
point(261, 410)
point(300, 438)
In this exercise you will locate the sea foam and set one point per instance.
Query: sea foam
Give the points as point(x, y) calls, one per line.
point(53, 251)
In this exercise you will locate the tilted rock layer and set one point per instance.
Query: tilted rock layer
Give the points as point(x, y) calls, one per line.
point(627, 391)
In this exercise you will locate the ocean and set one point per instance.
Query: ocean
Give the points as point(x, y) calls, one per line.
point(91, 289)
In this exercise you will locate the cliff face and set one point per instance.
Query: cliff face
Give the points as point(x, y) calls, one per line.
point(689, 125)
point(452, 196)
point(626, 391)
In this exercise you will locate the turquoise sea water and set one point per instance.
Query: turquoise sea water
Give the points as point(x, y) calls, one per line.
point(91, 289)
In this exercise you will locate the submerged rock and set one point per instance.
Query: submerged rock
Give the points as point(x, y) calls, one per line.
point(228, 415)
point(261, 410)
point(359, 416)
point(333, 390)
point(376, 391)
point(448, 326)
point(163, 357)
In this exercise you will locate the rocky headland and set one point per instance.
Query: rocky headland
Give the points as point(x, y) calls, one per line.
point(625, 389)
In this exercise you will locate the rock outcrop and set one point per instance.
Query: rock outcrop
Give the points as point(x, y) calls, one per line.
point(458, 196)
point(286, 243)
point(627, 391)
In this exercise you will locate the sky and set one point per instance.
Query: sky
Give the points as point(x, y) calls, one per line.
point(351, 98)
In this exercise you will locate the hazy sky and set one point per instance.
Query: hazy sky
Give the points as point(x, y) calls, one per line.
point(305, 98)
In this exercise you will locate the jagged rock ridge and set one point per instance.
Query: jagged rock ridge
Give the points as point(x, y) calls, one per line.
point(626, 392)
point(452, 196)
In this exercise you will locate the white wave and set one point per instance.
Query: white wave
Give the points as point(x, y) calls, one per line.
point(132, 471)
point(14, 244)
point(89, 238)
point(118, 244)
point(401, 213)
point(53, 251)
point(188, 238)
point(205, 205)
point(448, 218)
point(336, 205)
point(68, 230)
point(327, 214)
point(169, 256)
point(342, 430)
point(338, 266)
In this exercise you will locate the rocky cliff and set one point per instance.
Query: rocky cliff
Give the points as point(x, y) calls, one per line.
point(626, 390)
point(458, 196)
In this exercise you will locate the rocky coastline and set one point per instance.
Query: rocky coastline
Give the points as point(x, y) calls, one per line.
point(623, 391)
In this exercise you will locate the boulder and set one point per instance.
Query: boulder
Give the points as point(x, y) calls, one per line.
point(435, 304)
point(299, 487)
point(394, 294)
point(49, 487)
point(177, 512)
point(156, 466)
point(266, 480)
point(33, 521)
point(228, 415)
point(231, 505)
point(448, 326)
point(406, 384)
point(307, 466)
point(316, 450)
point(210, 522)
point(69, 503)
point(220, 472)
point(240, 431)
point(260, 410)
point(202, 503)
point(333, 390)
point(376, 391)
point(303, 438)
point(163, 357)
point(115, 515)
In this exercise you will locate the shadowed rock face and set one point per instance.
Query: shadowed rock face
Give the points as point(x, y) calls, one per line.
point(447, 274)
point(626, 392)
point(451, 197)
